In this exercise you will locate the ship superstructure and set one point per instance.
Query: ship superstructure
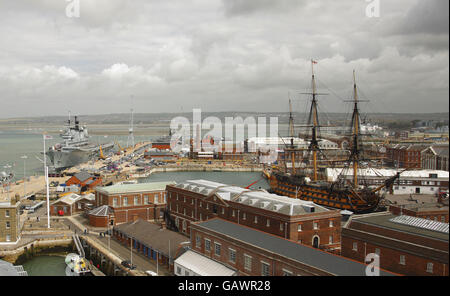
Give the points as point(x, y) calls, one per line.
point(76, 147)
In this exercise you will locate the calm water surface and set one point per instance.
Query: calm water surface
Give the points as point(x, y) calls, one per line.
point(45, 266)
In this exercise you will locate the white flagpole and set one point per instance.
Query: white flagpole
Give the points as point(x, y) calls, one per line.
point(46, 182)
point(48, 201)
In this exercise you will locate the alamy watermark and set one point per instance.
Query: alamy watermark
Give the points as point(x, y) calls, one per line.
point(373, 266)
point(373, 8)
point(229, 137)
point(73, 8)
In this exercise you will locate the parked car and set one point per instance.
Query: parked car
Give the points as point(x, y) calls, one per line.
point(128, 264)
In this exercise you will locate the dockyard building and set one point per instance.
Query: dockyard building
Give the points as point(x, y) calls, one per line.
point(71, 204)
point(255, 253)
point(294, 219)
point(430, 211)
point(192, 263)
point(405, 245)
point(84, 180)
point(146, 201)
point(435, 158)
point(410, 181)
point(151, 240)
point(10, 221)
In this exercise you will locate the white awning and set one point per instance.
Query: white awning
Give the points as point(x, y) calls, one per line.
point(203, 266)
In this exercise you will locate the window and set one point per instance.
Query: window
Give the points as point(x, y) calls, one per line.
point(256, 219)
point(331, 224)
point(232, 213)
point(247, 262)
point(136, 200)
point(217, 249)
point(268, 223)
point(299, 227)
point(8, 225)
point(377, 251)
point(316, 225)
point(177, 209)
point(156, 198)
point(355, 246)
point(402, 260)
point(125, 201)
point(186, 273)
point(8, 238)
point(7, 213)
point(198, 242)
point(443, 219)
point(207, 245)
point(287, 272)
point(192, 201)
point(265, 269)
point(184, 211)
point(232, 255)
point(177, 196)
point(146, 199)
point(331, 239)
point(207, 206)
point(178, 270)
point(430, 267)
point(223, 211)
point(200, 216)
point(165, 197)
point(244, 216)
point(281, 226)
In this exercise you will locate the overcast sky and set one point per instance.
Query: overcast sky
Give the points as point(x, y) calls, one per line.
point(220, 55)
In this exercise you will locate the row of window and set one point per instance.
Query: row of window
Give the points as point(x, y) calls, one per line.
point(137, 200)
point(402, 259)
point(255, 220)
point(248, 264)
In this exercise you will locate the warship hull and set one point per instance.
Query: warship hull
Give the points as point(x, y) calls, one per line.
point(63, 159)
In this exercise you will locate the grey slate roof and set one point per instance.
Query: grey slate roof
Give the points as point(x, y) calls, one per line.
point(83, 176)
point(101, 211)
point(333, 264)
point(153, 236)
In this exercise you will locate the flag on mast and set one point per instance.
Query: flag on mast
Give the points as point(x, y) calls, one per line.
point(47, 137)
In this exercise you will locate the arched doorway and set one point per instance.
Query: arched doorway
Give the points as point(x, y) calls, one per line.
point(315, 243)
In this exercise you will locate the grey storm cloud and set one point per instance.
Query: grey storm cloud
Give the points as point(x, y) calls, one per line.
point(219, 55)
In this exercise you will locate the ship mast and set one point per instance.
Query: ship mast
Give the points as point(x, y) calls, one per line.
point(355, 153)
point(291, 134)
point(313, 115)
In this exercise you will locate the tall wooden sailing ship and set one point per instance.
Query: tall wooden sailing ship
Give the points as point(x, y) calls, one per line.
point(343, 193)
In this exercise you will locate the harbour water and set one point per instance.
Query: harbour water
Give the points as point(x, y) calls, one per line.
point(45, 266)
point(242, 179)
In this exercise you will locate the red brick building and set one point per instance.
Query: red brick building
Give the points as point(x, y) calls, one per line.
point(294, 219)
point(71, 204)
point(146, 201)
point(256, 253)
point(406, 245)
point(436, 212)
point(151, 241)
point(405, 155)
point(102, 216)
point(84, 180)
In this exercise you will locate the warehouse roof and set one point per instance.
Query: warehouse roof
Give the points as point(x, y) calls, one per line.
point(255, 198)
point(327, 262)
point(153, 236)
point(388, 221)
point(202, 265)
point(134, 188)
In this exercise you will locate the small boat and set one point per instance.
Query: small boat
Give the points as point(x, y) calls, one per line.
point(76, 265)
